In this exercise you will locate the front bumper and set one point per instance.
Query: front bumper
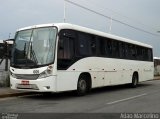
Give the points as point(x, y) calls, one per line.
point(47, 84)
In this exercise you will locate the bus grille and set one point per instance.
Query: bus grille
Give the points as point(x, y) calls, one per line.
point(27, 76)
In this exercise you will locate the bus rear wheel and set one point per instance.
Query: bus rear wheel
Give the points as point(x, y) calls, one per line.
point(134, 80)
point(82, 86)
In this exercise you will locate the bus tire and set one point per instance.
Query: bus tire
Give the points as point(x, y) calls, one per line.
point(134, 80)
point(82, 86)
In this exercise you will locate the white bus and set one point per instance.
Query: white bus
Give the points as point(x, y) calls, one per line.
point(157, 66)
point(64, 57)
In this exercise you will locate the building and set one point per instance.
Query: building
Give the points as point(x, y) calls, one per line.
point(157, 66)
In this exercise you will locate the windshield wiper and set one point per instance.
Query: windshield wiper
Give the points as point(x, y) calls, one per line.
point(25, 51)
point(33, 55)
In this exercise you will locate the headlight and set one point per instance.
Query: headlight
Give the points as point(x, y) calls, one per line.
point(13, 75)
point(46, 73)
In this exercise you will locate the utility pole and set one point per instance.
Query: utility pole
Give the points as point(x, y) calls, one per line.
point(64, 12)
point(110, 28)
point(6, 55)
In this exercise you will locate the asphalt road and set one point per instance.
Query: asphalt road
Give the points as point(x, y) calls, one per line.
point(115, 99)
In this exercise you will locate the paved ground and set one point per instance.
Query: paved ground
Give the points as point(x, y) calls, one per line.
point(117, 99)
point(99, 104)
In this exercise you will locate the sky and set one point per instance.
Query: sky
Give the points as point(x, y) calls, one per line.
point(142, 14)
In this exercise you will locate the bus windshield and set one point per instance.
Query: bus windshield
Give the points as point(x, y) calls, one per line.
point(34, 47)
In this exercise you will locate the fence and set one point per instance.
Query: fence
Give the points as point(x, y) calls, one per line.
point(4, 76)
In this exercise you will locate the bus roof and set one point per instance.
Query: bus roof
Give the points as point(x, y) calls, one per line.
point(88, 30)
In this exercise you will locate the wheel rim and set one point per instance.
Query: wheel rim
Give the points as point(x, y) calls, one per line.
point(82, 85)
point(135, 80)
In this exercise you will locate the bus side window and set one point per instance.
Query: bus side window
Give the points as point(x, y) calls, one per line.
point(150, 55)
point(144, 53)
point(65, 51)
point(147, 55)
point(109, 48)
point(102, 47)
point(84, 45)
point(122, 50)
point(139, 53)
point(93, 45)
point(65, 46)
point(115, 49)
point(133, 52)
point(126, 51)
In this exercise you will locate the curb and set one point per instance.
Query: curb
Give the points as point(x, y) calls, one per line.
point(15, 94)
point(157, 78)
